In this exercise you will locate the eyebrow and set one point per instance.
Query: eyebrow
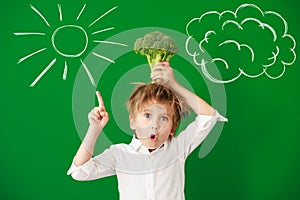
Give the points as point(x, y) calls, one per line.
point(147, 110)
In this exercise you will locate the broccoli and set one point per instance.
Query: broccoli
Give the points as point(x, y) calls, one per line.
point(156, 46)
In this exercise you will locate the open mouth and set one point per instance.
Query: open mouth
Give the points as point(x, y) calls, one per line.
point(153, 137)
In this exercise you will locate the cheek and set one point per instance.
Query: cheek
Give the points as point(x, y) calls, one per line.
point(167, 127)
point(141, 122)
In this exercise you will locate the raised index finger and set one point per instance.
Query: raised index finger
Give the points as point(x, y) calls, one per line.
point(100, 100)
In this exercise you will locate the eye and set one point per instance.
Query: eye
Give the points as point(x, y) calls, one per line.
point(164, 118)
point(147, 115)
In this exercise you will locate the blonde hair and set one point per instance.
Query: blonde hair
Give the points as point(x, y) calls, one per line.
point(154, 92)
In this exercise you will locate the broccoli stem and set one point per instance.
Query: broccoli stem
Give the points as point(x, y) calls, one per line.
point(168, 58)
point(149, 60)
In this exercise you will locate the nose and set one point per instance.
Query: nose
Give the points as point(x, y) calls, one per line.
point(154, 125)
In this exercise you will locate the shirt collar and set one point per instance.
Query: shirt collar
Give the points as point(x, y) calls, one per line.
point(136, 144)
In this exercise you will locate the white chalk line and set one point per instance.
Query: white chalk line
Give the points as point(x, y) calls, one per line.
point(275, 77)
point(253, 76)
point(103, 30)
point(221, 60)
point(81, 11)
point(88, 73)
point(286, 35)
point(274, 57)
point(40, 14)
point(65, 54)
point(187, 49)
point(239, 47)
point(195, 60)
point(248, 5)
point(103, 57)
point(102, 16)
point(29, 33)
point(60, 12)
point(43, 72)
point(222, 13)
point(292, 62)
point(65, 71)
point(31, 54)
point(282, 19)
point(231, 22)
point(213, 79)
point(263, 26)
point(206, 38)
point(109, 42)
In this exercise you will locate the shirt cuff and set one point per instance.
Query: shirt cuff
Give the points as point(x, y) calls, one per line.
point(87, 167)
point(204, 119)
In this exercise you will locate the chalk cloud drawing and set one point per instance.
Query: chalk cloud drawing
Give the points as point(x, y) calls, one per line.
point(85, 37)
point(248, 42)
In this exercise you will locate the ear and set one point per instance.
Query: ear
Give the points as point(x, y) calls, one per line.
point(132, 127)
point(174, 129)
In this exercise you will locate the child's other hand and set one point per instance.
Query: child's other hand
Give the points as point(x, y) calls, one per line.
point(98, 117)
point(163, 73)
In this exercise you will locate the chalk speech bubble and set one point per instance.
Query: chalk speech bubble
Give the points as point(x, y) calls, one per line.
point(247, 41)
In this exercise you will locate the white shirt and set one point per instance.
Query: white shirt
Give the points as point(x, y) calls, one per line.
point(142, 175)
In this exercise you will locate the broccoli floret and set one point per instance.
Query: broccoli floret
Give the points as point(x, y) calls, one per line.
point(156, 46)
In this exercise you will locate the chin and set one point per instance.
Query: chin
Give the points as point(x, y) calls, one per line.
point(154, 146)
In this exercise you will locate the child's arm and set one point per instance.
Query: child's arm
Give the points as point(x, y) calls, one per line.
point(197, 131)
point(164, 73)
point(98, 118)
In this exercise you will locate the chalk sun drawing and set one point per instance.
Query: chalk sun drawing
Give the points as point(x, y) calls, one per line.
point(85, 37)
point(230, 34)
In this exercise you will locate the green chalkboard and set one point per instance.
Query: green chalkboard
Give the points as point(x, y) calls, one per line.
point(240, 56)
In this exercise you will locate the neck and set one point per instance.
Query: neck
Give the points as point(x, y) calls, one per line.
point(150, 150)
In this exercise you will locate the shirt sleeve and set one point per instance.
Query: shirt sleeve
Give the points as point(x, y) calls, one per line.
point(100, 166)
point(196, 132)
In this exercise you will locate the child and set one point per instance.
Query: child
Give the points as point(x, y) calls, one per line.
point(152, 165)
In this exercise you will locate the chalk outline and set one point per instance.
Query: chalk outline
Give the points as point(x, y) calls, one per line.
point(65, 71)
point(239, 47)
point(69, 55)
point(262, 25)
point(206, 37)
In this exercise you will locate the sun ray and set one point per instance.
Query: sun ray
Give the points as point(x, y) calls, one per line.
point(109, 42)
point(103, 57)
point(29, 55)
point(88, 73)
point(43, 72)
point(29, 33)
point(40, 14)
point(80, 12)
point(65, 71)
point(60, 12)
point(102, 16)
point(53, 61)
point(103, 30)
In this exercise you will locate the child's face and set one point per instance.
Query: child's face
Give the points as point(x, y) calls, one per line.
point(153, 124)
